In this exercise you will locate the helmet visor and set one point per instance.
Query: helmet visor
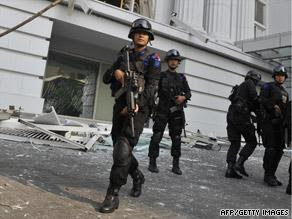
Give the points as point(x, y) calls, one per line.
point(173, 53)
point(280, 69)
point(143, 24)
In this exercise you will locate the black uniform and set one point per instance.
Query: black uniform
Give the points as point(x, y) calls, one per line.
point(170, 85)
point(239, 121)
point(148, 66)
point(273, 126)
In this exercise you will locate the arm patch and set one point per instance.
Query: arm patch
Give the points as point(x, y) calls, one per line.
point(153, 59)
point(182, 76)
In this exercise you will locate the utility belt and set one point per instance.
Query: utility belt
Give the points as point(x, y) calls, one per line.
point(175, 108)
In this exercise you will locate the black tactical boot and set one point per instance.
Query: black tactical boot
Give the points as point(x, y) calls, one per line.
point(270, 179)
point(175, 166)
point(111, 201)
point(231, 173)
point(152, 165)
point(268, 165)
point(239, 166)
point(279, 183)
point(138, 180)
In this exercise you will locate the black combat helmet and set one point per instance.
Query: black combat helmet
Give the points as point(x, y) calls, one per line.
point(173, 54)
point(256, 77)
point(141, 25)
point(280, 70)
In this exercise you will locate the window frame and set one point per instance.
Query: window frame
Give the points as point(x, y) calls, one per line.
point(264, 3)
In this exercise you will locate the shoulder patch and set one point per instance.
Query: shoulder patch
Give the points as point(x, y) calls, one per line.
point(181, 76)
point(153, 59)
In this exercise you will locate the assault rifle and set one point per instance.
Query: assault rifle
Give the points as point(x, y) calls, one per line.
point(258, 119)
point(177, 107)
point(130, 87)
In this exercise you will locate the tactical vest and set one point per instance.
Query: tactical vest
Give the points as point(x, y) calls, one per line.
point(171, 86)
point(239, 104)
point(279, 96)
point(137, 65)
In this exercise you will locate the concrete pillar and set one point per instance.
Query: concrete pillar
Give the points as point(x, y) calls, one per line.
point(190, 12)
point(242, 26)
point(218, 19)
point(163, 10)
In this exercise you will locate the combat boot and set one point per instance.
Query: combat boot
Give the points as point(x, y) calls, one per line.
point(152, 165)
point(175, 166)
point(279, 183)
point(269, 167)
point(111, 201)
point(231, 173)
point(270, 179)
point(138, 180)
point(239, 166)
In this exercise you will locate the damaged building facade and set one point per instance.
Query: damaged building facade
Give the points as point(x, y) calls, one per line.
point(59, 58)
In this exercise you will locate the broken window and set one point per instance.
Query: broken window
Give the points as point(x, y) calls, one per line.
point(143, 7)
point(70, 85)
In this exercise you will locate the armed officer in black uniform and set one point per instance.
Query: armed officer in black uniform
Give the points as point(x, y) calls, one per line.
point(173, 92)
point(147, 68)
point(275, 99)
point(244, 100)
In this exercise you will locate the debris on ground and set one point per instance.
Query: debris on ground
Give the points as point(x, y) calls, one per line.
point(59, 131)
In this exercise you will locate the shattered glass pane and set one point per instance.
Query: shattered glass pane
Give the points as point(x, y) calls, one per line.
point(70, 85)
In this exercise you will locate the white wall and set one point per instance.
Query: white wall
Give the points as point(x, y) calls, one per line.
point(21, 60)
point(279, 16)
point(212, 68)
point(163, 10)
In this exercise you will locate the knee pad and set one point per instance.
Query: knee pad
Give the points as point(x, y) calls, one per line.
point(157, 136)
point(122, 151)
point(159, 126)
point(176, 139)
point(173, 132)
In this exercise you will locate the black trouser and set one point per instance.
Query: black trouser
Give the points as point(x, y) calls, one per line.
point(234, 132)
point(117, 122)
point(175, 125)
point(274, 143)
point(124, 162)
